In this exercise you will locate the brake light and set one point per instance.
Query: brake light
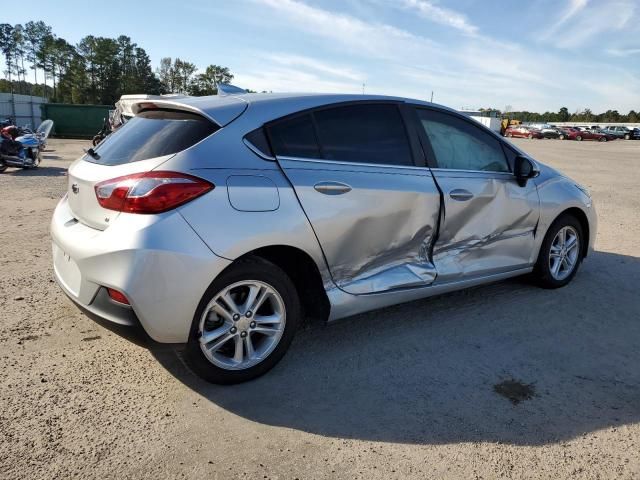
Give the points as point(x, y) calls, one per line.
point(150, 192)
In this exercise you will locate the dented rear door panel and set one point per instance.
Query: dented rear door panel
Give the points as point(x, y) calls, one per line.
point(375, 224)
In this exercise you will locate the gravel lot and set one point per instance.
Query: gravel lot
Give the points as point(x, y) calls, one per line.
point(406, 392)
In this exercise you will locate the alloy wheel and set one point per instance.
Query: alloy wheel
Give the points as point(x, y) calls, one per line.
point(564, 253)
point(242, 325)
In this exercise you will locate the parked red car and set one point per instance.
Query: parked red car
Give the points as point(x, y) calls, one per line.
point(523, 132)
point(579, 135)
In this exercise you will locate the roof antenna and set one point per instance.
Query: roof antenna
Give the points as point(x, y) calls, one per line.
point(363, 88)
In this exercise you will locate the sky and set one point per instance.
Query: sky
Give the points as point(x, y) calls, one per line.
point(534, 55)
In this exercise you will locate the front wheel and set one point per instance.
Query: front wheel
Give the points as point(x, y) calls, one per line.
point(561, 137)
point(602, 139)
point(244, 324)
point(561, 253)
point(530, 136)
point(579, 138)
point(627, 136)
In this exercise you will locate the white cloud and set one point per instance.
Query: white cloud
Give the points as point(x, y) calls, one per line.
point(622, 52)
point(472, 70)
point(573, 8)
point(583, 23)
point(444, 16)
point(326, 68)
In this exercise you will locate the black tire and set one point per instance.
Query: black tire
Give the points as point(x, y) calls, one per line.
point(542, 273)
point(3, 167)
point(579, 138)
point(250, 268)
point(560, 137)
point(602, 139)
point(530, 136)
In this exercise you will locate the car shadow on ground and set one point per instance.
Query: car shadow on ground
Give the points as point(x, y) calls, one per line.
point(36, 172)
point(429, 372)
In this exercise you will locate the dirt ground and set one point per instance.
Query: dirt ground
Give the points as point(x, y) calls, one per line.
point(412, 391)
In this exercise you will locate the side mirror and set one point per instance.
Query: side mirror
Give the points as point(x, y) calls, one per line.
point(524, 169)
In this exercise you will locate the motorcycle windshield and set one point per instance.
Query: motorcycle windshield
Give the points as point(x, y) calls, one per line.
point(44, 129)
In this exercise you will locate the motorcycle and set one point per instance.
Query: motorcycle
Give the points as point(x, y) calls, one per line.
point(21, 149)
point(106, 130)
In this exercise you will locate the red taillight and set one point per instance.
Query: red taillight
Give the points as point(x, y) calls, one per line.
point(117, 296)
point(150, 192)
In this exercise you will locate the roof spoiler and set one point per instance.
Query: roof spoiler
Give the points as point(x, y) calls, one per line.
point(225, 89)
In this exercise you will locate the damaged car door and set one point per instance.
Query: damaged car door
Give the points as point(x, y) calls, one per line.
point(373, 211)
point(489, 220)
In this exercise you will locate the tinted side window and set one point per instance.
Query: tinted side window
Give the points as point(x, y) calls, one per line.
point(152, 133)
point(295, 137)
point(460, 145)
point(370, 133)
point(258, 139)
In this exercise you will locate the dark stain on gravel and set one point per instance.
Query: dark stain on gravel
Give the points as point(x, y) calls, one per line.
point(90, 339)
point(515, 390)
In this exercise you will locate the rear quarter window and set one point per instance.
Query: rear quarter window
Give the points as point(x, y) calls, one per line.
point(150, 134)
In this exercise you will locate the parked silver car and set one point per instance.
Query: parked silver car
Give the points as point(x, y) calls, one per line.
point(221, 222)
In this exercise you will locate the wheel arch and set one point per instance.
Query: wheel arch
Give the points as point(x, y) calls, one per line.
point(581, 216)
point(304, 273)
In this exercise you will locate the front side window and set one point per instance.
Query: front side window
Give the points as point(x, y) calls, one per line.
point(460, 145)
point(368, 133)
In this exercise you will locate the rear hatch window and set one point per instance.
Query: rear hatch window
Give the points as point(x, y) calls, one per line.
point(151, 134)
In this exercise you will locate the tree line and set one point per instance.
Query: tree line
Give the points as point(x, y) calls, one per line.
point(97, 70)
point(563, 115)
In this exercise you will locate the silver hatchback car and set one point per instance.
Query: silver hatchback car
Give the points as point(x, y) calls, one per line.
point(221, 222)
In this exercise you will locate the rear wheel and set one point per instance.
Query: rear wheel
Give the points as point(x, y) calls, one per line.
point(530, 136)
point(244, 324)
point(602, 139)
point(561, 253)
point(560, 137)
point(627, 136)
point(579, 138)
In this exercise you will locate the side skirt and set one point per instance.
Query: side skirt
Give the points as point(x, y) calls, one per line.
point(345, 305)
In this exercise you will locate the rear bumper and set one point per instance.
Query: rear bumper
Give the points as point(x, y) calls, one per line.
point(157, 261)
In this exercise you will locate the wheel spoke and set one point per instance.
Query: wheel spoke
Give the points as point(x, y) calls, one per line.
point(248, 345)
point(238, 355)
point(231, 303)
point(216, 345)
point(572, 243)
point(220, 310)
point(568, 263)
point(555, 268)
point(269, 331)
point(254, 291)
point(268, 319)
point(208, 337)
point(563, 236)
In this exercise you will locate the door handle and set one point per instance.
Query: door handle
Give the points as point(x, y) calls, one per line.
point(332, 188)
point(461, 195)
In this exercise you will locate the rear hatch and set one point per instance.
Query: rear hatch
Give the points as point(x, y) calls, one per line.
point(143, 144)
